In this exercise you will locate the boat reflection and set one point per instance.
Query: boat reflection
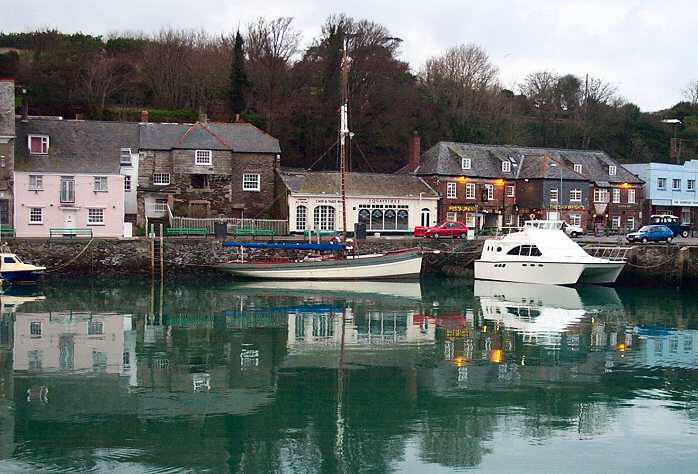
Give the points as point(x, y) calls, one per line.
point(411, 290)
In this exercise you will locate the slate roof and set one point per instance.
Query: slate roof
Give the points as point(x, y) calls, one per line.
point(236, 137)
point(75, 146)
point(357, 184)
point(545, 167)
point(444, 159)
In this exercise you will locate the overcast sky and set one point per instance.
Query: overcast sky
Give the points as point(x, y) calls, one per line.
point(645, 48)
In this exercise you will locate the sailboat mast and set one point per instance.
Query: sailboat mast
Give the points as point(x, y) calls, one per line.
point(343, 132)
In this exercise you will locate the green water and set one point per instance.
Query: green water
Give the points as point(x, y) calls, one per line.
point(121, 376)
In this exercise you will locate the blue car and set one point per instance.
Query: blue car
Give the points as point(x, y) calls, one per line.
point(651, 233)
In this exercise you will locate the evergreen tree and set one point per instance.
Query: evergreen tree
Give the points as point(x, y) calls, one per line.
point(238, 78)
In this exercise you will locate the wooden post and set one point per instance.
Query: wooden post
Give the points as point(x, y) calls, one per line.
point(162, 253)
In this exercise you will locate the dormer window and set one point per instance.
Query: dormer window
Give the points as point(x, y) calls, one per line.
point(612, 170)
point(125, 157)
point(465, 163)
point(578, 168)
point(38, 144)
point(203, 157)
point(506, 167)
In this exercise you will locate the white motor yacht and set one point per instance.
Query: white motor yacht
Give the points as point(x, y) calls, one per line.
point(542, 253)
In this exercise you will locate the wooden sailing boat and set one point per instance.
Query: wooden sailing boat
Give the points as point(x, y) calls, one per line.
point(334, 263)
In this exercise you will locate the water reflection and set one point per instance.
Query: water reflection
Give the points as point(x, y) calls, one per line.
point(260, 377)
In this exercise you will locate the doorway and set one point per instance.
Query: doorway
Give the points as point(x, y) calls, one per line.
point(69, 219)
point(426, 218)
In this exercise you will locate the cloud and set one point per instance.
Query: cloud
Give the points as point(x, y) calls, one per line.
point(637, 45)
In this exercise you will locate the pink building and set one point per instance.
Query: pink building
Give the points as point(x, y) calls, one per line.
point(67, 176)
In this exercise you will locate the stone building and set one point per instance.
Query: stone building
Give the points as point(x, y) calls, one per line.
point(206, 169)
point(7, 143)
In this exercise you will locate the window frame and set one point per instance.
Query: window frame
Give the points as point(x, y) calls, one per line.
point(612, 170)
point(451, 216)
point(691, 185)
point(70, 190)
point(631, 192)
point(615, 195)
point(451, 190)
point(554, 192)
point(469, 190)
point(578, 168)
point(301, 209)
point(506, 167)
point(575, 219)
point(575, 192)
point(31, 217)
point(674, 182)
point(258, 181)
point(510, 190)
point(38, 185)
point(123, 152)
point(128, 183)
point(161, 182)
point(616, 222)
point(45, 143)
point(490, 191)
point(207, 155)
point(100, 179)
point(661, 184)
point(90, 220)
point(603, 192)
point(466, 163)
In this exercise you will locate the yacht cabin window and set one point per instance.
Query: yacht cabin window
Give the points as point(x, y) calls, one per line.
point(525, 251)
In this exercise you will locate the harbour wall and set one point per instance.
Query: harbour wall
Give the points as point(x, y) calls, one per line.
point(650, 265)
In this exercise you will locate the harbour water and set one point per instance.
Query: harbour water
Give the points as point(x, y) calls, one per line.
point(126, 376)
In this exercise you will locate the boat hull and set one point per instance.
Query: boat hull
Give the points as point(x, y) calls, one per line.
point(549, 273)
point(20, 277)
point(398, 266)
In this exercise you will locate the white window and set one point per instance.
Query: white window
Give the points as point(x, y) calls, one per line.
point(470, 191)
point(616, 195)
point(686, 215)
point(125, 157)
point(676, 184)
point(575, 195)
point(615, 222)
point(36, 182)
point(95, 216)
point(451, 216)
point(553, 195)
point(36, 215)
point(35, 328)
point(203, 157)
point(250, 182)
point(465, 163)
point(100, 183)
point(691, 184)
point(324, 217)
point(38, 144)
point(490, 191)
point(575, 219)
point(578, 168)
point(301, 217)
point(631, 196)
point(67, 189)
point(630, 223)
point(511, 191)
point(661, 183)
point(127, 183)
point(161, 179)
point(612, 170)
point(506, 166)
point(451, 190)
point(600, 195)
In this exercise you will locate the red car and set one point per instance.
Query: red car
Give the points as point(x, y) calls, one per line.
point(447, 229)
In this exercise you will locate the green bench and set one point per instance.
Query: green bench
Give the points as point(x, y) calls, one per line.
point(321, 233)
point(7, 231)
point(180, 231)
point(253, 232)
point(69, 232)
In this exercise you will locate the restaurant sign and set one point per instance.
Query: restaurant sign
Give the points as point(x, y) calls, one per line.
point(457, 208)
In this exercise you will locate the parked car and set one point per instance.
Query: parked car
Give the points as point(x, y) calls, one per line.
point(572, 230)
point(651, 233)
point(672, 222)
point(447, 229)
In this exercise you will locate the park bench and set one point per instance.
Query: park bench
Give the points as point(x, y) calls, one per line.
point(7, 231)
point(320, 233)
point(69, 232)
point(182, 231)
point(253, 232)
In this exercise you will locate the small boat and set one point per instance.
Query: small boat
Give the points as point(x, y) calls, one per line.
point(542, 253)
point(336, 265)
point(15, 272)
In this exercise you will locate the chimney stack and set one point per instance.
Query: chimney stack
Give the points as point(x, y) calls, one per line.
point(144, 116)
point(7, 108)
point(414, 151)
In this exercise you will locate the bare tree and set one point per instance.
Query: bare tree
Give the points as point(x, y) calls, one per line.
point(104, 76)
point(690, 92)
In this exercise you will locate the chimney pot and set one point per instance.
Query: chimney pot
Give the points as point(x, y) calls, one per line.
point(414, 151)
point(144, 116)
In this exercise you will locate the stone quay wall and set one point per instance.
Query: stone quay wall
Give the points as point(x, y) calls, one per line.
point(649, 265)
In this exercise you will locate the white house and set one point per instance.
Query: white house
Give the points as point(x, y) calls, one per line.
point(386, 203)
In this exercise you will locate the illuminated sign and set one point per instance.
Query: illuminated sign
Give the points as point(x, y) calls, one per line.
point(456, 208)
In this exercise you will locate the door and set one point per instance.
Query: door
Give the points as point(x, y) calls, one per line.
point(69, 220)
point(426, 218)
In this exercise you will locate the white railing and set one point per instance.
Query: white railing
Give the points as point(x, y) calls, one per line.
point(279, 226)
point(616, 253)
point(155, 209)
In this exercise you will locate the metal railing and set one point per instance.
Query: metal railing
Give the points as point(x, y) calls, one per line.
point(615, 253)
point(279, 226)
point(156, 209)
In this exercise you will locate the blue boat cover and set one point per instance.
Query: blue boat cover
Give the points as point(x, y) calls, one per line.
point(287, 246)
